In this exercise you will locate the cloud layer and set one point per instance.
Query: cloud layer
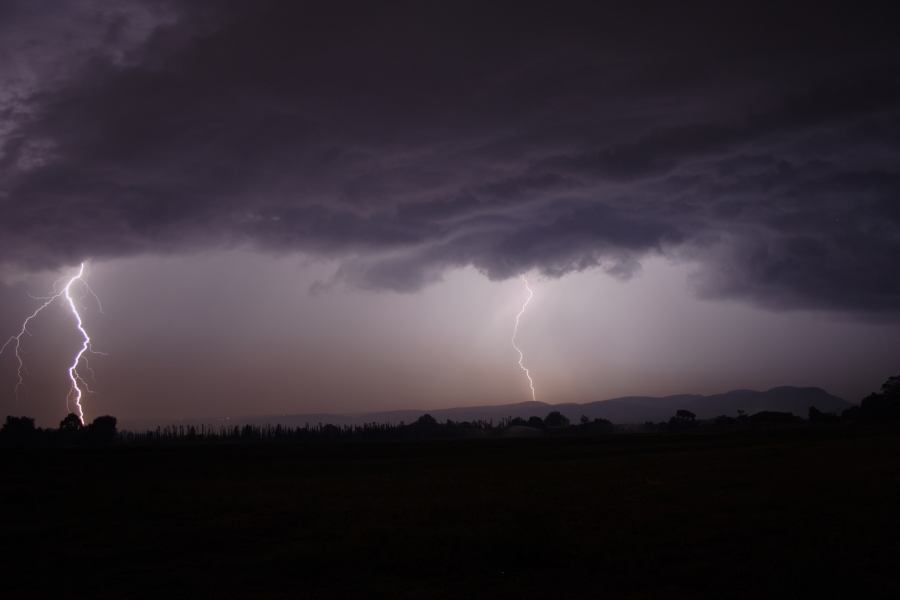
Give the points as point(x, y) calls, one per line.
point(760, 144)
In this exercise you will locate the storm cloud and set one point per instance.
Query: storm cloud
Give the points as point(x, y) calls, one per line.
point(760, 144)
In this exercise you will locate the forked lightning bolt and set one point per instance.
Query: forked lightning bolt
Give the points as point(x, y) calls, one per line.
point(75, 391)
point(516, 332)
point(77, 382)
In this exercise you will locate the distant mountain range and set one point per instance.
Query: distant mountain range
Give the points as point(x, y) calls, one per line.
point(625, 410)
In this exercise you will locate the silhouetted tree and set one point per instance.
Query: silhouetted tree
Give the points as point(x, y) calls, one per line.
point(556, 419)
point(536, 422)
point(424, 426)
point(683, 419)
point(425, 420)
point(685, 415)
point(71, 424)
point(18, 430)
point(884, 406)
point(103, 430)
point(70, 430)
point(330, 431)
point(891, 388)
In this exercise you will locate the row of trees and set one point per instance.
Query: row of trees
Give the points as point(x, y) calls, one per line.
point(425, 427)
point(102, 431)
point(878, 407)
point(21, 431)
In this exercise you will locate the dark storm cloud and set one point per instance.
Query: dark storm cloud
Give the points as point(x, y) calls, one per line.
point(405, 139)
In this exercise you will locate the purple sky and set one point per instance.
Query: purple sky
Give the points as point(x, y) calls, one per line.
point(294, 207)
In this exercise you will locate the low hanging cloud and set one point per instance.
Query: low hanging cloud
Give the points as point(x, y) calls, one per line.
point(406, 140)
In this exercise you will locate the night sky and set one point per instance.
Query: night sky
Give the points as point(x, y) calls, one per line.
point(294, 207)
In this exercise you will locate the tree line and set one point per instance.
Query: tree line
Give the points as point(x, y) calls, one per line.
point(880, 407)
point(71, 431)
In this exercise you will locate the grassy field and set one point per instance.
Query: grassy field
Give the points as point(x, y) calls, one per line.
point(793, 513)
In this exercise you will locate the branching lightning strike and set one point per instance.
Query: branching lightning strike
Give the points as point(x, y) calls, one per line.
point(516, 332)
point(77, 382)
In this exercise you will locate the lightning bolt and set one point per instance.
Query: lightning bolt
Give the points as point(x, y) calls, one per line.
point(77, 383)
point(16, 342)
point(516, 333)
point(74, 377)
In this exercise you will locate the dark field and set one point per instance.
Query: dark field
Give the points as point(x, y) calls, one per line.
point(790, 513)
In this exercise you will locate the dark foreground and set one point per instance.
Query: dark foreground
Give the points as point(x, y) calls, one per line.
point(792, 513)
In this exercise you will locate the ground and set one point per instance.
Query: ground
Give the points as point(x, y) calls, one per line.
point(792, 513)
